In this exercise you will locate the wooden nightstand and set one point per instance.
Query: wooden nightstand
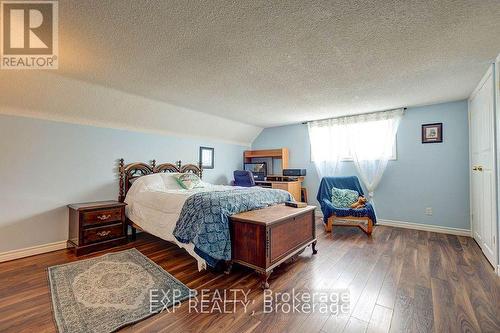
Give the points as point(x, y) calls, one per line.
point(95, 226)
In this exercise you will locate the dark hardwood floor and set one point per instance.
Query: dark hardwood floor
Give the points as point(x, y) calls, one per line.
point(399, 281)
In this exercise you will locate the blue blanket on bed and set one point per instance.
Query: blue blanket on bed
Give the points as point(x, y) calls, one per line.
point(204, 219)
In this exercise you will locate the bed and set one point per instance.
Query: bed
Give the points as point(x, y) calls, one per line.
point(194, 219)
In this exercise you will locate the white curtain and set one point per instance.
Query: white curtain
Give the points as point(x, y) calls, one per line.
point(369, 139)
point(372, 139)
point(326, 145)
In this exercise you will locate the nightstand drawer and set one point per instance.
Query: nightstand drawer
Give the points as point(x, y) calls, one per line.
point(102, 233)
point(102, 216)
point(95, 226)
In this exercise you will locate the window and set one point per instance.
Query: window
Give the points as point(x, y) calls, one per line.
point(348, 155)
point(361, 138)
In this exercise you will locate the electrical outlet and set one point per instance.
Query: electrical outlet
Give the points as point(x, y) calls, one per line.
point(428, 211)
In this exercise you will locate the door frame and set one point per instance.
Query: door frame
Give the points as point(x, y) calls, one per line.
point(496, 105)
point(492, 70)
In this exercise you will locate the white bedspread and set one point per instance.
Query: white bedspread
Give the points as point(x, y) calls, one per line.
point(154, 204)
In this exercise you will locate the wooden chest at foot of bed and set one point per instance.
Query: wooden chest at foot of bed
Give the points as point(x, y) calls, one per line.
point(96, 226)
point(265, 238)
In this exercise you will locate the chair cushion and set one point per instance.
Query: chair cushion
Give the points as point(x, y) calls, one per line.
point(343, 198)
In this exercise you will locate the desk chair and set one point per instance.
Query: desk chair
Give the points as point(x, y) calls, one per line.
point(243, 178)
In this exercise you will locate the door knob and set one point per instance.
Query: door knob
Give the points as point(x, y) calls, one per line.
point(479, 168)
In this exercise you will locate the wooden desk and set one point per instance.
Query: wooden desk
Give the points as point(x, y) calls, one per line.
point(280, 153)
point(287, 183)
point(291, 186)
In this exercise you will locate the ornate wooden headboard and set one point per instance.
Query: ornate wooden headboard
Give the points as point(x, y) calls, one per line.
point(127, 173)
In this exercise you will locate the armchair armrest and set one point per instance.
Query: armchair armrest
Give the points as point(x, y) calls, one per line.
point(327, 208)
point(328, 203)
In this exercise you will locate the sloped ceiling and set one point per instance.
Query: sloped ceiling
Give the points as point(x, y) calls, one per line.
point(269, 63)
point(45, 95)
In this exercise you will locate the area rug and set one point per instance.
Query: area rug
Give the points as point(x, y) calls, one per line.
point(106, 293)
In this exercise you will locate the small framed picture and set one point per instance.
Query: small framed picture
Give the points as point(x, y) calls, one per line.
point(207, 157)
point(432, 133)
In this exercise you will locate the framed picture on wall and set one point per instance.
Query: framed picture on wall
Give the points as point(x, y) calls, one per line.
point(432, 133)
point(207, 157)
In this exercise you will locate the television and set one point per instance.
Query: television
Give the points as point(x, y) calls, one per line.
point(259, 170)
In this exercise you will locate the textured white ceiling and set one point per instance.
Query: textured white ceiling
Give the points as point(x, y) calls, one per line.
point(270, 63)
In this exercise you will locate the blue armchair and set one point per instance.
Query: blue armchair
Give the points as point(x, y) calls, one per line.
point(243, 178)
point(364, 218)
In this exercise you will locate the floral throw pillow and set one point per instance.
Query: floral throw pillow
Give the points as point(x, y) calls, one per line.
point(188, 181)
point(344, 198)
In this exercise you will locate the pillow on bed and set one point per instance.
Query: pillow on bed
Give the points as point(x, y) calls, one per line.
point(344, 198)
point(150, 182)
point(170, 181)
point(189, 181)
point(157, 182)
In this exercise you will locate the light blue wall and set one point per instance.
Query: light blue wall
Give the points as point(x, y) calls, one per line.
point(424, 175)
point(46, 165)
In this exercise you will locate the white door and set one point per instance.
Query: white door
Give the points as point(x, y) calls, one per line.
point(483, 181)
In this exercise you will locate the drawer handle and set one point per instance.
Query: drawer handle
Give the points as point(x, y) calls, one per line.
point(103, 233)
point(103, 217)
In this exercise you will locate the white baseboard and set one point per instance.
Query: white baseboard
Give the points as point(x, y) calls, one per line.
point(31, 251)
point(425, 227)
point(418, 226)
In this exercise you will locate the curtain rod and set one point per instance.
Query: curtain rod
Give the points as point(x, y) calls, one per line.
point(353, 115)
